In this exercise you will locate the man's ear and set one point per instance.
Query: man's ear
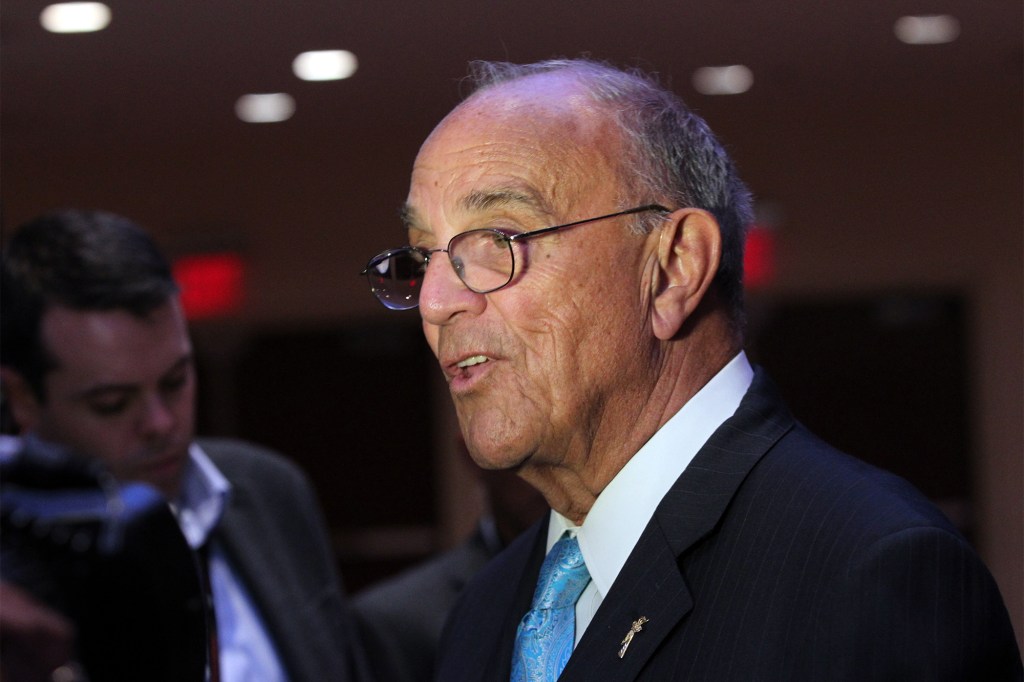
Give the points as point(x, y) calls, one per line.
point(689, 250)
point(21, 399)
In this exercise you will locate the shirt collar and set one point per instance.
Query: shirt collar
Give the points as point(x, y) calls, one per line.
point(204, 494)
point(623, 509)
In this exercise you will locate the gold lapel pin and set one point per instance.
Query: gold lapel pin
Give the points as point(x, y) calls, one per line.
point(636, 627)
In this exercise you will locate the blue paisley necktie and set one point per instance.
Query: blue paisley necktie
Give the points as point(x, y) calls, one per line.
point(547, 632)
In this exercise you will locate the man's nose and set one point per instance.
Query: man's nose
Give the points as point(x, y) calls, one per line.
point(443, 296)
point(157, 416)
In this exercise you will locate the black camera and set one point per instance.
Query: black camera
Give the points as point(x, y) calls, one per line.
point(108, 555)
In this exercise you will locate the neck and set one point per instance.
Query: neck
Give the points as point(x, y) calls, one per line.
point(628, 420)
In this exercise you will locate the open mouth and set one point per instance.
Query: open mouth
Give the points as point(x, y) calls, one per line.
point(471, 369)
point(471, 361)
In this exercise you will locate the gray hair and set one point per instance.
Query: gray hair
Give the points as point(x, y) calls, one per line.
point(671, 152)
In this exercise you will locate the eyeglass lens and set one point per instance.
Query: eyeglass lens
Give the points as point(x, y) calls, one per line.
point(395, 277)
point(482, 259)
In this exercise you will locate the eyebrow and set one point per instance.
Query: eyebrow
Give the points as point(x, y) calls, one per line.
point(407, 214)
point(100, 389)
point(501, 198)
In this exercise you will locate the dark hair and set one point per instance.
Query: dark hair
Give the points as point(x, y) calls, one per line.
point(83, 260)
point(672, 155)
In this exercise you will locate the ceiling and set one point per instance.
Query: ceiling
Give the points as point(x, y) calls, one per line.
point(179, 65)
point(158, 86)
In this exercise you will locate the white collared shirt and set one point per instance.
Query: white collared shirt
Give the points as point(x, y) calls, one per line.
point(622, 510)
point(246, 651)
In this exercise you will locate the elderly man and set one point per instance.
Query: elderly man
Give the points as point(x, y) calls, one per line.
point(576, 238)
point(96, 359)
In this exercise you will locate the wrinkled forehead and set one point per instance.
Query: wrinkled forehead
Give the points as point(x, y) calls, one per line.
point(542, 131)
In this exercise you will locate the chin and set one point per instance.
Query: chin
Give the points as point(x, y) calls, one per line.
point(166, 478)
point(494, 456)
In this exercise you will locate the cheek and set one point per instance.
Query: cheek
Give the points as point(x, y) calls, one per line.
point(430, 332)
point(554, 338)
point(184, 404)
point(585, 337)
point(109, 440)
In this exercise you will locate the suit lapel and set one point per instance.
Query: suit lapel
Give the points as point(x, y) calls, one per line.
point(261, 574)
point(651, 583)
point(698, 499)
point(479, 646)
point(527, 572)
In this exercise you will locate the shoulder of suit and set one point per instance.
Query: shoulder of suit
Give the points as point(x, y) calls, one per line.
point(445, 573)
point(828, 484)
point(238, 458)
point(510, 564)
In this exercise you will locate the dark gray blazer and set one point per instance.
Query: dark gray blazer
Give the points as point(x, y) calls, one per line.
point(773, 557)
point(401, 619)
point(275, 536)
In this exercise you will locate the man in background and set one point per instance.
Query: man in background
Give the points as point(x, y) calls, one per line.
point(96, 359)
point(401, 618)
point(575, 250)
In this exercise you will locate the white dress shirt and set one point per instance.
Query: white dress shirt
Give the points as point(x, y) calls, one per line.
point(622, 510)
point(246, 652)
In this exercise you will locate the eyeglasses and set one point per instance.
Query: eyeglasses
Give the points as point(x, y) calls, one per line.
point(483, 259)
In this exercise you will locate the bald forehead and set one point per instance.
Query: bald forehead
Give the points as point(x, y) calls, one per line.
point(549, 104)
point(557, 92)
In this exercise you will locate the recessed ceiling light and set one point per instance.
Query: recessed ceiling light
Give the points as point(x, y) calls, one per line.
point(271, 107)
point(325, 65)
point(75, 17)
point(723, 80)
point(930, 29)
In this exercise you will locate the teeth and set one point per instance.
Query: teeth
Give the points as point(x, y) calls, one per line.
point(469, 362)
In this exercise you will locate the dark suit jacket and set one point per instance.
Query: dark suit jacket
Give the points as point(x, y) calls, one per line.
point(401, 618)
point(275, 536)
point(773, 557)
